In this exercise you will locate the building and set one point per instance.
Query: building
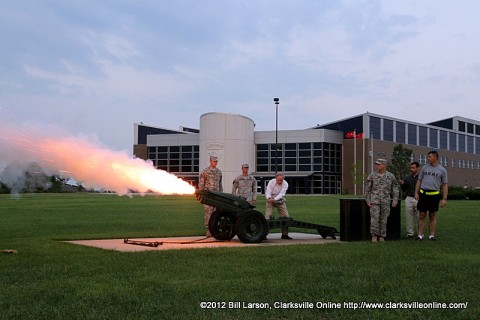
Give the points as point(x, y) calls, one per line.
point(318, 160)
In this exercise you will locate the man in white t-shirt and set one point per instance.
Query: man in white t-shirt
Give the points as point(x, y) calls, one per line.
point(275, 193)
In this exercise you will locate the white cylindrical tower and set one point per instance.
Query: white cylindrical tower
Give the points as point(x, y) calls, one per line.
point(230, 137)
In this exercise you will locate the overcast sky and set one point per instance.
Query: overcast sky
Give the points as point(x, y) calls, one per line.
point(96, 67)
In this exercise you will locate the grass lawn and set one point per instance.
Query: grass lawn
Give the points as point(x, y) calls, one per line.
point(51, 279)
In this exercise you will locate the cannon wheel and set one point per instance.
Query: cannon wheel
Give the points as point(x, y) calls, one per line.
point(251, 227)
point(221, 225)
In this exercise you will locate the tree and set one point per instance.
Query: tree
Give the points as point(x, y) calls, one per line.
point(400, 164)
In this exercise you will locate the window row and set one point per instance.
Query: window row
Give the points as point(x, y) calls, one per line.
point(299, 157)
point(175, 159)
point(451, 162)
point(400, 132)
point(469, 127)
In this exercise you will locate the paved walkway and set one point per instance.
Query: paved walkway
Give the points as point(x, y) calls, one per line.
point(201, 242)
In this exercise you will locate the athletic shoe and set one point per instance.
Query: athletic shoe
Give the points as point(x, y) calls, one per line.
point(432, 238)
point(419, 238)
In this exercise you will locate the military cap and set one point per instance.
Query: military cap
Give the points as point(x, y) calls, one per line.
point(381, 161)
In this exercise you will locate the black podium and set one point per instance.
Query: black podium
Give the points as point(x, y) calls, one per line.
point(355, 221)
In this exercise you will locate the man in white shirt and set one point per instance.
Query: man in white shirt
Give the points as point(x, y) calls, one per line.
point(275, 194)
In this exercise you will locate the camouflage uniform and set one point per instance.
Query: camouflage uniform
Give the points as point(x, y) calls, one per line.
point(381, 192)
point(210, 179)
point(246, 187)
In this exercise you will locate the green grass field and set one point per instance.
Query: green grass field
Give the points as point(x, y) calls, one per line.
point(51, 279)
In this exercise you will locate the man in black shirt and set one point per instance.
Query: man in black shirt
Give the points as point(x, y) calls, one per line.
point(408, 186)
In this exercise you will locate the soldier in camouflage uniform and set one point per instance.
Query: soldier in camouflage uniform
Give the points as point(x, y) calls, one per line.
point(381, 193)
point(245, 185)
point(210, 179)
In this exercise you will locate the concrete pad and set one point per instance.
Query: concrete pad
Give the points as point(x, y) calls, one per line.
point(197, 242)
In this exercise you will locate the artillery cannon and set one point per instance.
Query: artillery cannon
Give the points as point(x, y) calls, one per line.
point(235, 216)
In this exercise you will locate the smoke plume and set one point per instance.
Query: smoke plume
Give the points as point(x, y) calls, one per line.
point(45, 150)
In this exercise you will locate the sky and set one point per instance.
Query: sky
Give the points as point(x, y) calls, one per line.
point(95, 67)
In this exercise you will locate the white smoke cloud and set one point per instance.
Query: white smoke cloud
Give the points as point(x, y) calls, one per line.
point(46, 150)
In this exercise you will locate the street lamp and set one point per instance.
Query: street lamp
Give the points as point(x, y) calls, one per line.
point(277, 102)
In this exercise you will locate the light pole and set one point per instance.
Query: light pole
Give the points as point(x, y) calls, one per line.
point(277, 102)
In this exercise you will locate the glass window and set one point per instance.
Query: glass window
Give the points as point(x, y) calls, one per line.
point(186, 168)
point(461, 143)
point(290, 160)
point(162, 149)
point(304, 160)
point(290, 146)
point(470, 144)
point(289, 167)
point(304, 146)
point(262, 168)
point(469, 127)
point(174, 149)
point(186, 148)
point(262, 146)
point(262, 161)
point(453, 141)
point(477, 130)
point(422, 136)
point(433, 138)
point(412, 134)
point(279, 168)
point(461, 126)
point(443, 139)
point(152, 149)
point(276, 153)
point(400, 132)
point(262, 154)
point(305, 153)
point(292, 154)
point(280, 146)
point(375, 127)
point(196, 148)
point(477, 145)
point(422, 159)
point(317, 145)
point(304, 167)
point(163, 155)
point(387, 130)
point(317, 153)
